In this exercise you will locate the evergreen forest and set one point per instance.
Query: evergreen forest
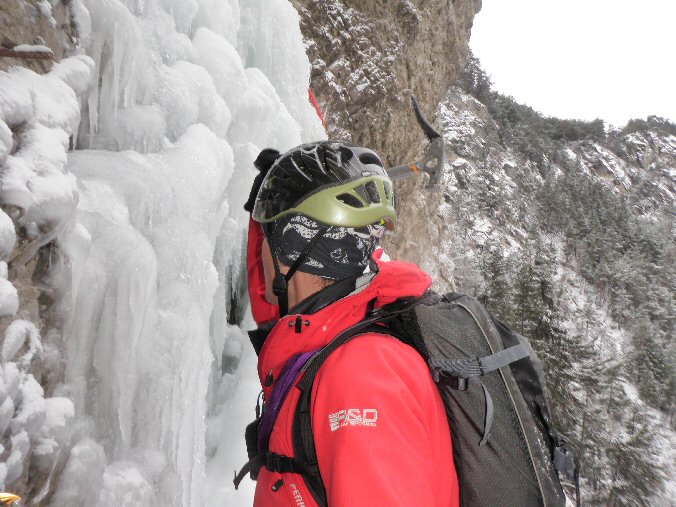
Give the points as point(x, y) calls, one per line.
point(589, 277)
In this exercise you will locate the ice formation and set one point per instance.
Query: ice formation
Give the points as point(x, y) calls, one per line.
point(140, 181)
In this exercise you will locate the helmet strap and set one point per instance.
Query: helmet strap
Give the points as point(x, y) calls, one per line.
point(280, 284)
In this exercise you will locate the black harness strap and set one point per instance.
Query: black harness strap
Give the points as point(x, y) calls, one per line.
point(303, 438)
point(475, 367)
point(273, 462)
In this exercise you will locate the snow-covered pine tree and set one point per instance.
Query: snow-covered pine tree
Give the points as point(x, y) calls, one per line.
point(496, 292)
point(634, 476)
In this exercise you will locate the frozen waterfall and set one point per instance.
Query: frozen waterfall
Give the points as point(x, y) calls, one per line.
point(166, 112)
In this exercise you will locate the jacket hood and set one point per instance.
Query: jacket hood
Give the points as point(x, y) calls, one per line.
point(298, 333)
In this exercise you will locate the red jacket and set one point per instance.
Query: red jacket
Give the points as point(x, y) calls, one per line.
point(380, 429)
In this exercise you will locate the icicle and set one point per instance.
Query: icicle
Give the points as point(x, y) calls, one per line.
point(115, 58)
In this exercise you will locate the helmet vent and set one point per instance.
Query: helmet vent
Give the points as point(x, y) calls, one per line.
point(388, 189)
point(345, 154)
point(370, 158)
point(371, 188)
point(361, 190)
point(350, 200)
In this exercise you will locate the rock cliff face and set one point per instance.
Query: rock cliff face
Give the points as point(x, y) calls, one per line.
point(41, 23)
point(49, 26)
point(368, 57)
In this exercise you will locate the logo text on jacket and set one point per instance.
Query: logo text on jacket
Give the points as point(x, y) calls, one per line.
point(353, 417)
point(298, 498)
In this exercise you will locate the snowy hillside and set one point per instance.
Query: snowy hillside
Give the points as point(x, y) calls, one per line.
point(124, 171)
point(567, 233)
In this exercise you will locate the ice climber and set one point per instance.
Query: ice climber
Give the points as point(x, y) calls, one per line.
point(381, 436)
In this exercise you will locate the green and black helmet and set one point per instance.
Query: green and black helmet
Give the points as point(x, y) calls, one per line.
point(333, 183)
point(323, 207)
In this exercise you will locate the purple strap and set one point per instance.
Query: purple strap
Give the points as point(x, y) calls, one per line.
point(282, 387)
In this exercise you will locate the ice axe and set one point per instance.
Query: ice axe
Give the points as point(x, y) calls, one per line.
point(433, 159)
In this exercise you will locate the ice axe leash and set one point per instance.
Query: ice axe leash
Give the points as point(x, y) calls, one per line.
point(433, 159)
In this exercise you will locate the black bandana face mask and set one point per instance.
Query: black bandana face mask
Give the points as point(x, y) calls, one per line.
point(341, 252)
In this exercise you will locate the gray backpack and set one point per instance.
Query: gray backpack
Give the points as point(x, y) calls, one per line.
point(505, 448)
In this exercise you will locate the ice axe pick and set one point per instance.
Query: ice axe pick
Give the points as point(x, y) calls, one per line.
point(433, 159)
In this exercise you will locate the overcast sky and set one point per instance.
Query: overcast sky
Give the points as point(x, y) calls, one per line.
point(608, 59)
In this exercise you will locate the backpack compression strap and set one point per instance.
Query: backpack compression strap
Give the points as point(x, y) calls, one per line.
point(460, 372)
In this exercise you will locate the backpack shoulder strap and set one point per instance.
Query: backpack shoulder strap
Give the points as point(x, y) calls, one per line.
point(304, 448)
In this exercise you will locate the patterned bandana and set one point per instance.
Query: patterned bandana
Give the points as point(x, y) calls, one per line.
point(340, 253)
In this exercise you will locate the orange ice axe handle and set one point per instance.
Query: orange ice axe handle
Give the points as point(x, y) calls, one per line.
point(432, 163)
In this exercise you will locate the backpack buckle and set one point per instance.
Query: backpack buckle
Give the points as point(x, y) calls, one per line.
point(456, 382)
point(272, 462)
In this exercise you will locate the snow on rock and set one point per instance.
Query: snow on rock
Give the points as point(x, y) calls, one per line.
point(39, 114)
point(30, 413)
point(19, 445)
point(7, 237)
point(17, 334)
point(36, 181)
point(5, 141)
point(44, 112)
point(33, 428)
point(605, 164)
point(9, 298)
point(16, 104)
point(12, 379)
point(33, 48)
point(6, 413)
point(77, 72)
point(45, 8)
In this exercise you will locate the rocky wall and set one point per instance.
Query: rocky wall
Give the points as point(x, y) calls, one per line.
point(367, 58)
point(37, 23)
point(38, 106)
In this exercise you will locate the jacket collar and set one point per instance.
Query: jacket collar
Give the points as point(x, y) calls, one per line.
point(304, 332)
